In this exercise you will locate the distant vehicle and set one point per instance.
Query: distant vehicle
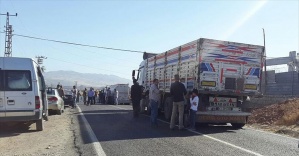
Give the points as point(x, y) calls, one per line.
point(225, 73)
point(120, 93)
point(23, 95)
point(68, 98)
point(55, 102)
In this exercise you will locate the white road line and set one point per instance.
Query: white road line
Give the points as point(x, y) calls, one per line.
point(215, 139)
point(271, 133)
point(118, 107)
point(95, 142)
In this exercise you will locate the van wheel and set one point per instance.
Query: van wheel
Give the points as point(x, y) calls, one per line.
point(39, 125)
point(59, 112)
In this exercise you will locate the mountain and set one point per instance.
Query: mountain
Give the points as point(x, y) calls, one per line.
point(69, 78)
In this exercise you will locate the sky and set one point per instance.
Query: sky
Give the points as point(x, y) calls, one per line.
point(151, 26)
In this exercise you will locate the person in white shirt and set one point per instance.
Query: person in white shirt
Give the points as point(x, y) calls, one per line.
point(194, 100)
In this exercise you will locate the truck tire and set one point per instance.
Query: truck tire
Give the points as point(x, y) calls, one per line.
point(238, 125)
point(168, 108)
point(39, 125)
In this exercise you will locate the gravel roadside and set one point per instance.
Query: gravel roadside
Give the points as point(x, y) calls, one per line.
point(58, 138)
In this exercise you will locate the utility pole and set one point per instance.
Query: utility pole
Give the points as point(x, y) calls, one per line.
point(8, 36)
point(265, 62)
point(76, 83)
point(40, 61)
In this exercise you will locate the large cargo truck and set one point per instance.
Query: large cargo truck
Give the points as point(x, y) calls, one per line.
point(225, 73)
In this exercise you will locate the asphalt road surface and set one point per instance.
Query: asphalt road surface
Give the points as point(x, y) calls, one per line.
point(117, 133)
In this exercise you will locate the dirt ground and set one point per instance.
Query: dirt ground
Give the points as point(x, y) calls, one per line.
point(282, 118)
point(56, 139)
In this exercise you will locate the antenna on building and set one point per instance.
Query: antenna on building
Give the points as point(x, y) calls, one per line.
point(8, 36)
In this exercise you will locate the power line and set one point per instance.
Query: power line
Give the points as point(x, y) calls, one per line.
point(78, 44)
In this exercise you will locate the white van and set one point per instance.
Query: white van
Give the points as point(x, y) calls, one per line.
point(120, 93)
point(22, 92)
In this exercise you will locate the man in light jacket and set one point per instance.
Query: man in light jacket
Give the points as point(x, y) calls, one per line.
point(154, 99)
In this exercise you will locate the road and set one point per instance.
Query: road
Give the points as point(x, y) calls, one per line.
point(117, 133)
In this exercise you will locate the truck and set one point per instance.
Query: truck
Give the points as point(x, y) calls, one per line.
point(225, 73)
point(120, 93)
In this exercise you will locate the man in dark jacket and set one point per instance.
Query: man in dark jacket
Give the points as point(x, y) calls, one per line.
point(136, 92)
point(177, 91)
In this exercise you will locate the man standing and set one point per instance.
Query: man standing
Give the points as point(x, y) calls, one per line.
point(74, 96)
point(177, 91)
point(84, 96)
point(90, 96)
point(108, 96)
point(115, 97)
point(154, 99)
point(60, 91)
point(136, 97)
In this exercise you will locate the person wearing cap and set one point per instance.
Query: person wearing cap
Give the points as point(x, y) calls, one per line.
point(136, 92)
point(193, 109)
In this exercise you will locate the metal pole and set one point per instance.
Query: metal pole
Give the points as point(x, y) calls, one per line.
point(8, 36)
point(265, 61)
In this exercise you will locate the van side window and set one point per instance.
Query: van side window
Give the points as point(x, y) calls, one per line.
point(41, 82)
point(18, 80)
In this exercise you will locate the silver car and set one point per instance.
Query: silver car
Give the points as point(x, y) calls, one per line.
point(55, 102)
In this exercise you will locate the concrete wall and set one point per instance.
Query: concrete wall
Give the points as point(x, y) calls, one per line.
point(286, 83)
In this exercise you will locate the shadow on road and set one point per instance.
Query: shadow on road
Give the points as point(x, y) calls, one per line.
point(114, 125)
point(9, 130)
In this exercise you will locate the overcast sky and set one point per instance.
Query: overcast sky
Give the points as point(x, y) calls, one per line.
point(152, 26)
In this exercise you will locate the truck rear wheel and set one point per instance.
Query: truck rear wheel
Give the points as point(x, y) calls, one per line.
point(168, 108)
point(39, 125)
point(238, 125)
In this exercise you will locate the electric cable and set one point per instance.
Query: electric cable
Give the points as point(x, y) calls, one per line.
point(78, 44)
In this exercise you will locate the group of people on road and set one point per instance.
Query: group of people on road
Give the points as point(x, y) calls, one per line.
point(93, 96)
point(178, 93)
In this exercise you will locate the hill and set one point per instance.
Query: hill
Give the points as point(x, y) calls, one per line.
point(69, 78)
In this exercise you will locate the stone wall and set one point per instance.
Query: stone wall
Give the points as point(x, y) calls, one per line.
point(286, 83)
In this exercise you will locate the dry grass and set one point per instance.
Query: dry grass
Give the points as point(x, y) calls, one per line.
point(285, 113)
point(290, 113)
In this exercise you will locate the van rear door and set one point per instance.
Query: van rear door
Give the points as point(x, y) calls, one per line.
point(2, 105)
point(19, 95)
